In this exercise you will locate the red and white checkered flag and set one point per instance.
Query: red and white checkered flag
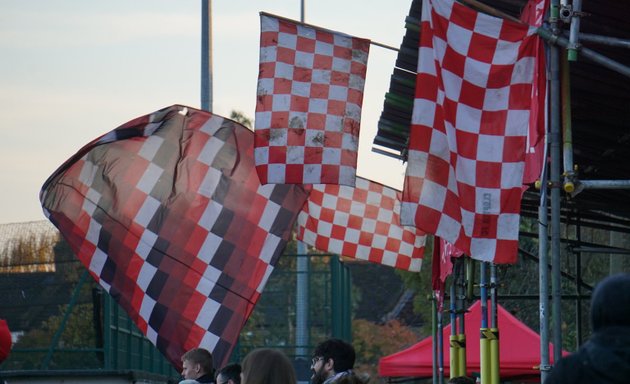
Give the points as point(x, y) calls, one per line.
point(532, 14)
point(362, 222)
point(308, 106)
point(469, 129)
point(169, 216)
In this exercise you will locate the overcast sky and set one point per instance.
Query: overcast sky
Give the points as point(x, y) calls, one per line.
point(72, 70)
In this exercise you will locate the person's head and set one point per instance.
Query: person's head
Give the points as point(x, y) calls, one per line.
point(196, 363)
point(610, 303)
point(331, 357)
point(267, 366)
point(230, 374)
point(461, 380)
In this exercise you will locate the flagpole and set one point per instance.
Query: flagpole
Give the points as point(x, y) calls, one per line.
point(302, 289)
point(302, 22)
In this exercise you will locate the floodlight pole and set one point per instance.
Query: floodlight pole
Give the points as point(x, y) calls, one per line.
point(206, 55)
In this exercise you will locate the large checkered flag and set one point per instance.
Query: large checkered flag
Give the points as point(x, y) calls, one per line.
point(169, 216)
point(469, 129)
point(308, 106)
point(361, 222)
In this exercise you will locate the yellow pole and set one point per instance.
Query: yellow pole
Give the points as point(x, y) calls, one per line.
point(494, 356)
point(454, 356)
point(484, 355)
point(462, 354)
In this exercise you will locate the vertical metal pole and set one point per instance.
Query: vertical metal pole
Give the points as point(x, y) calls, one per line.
point(578, 288)
point(484, 350)
point(494, 322)
point(302, 302)
point(574, 30)
point(107, 331)
point(494, 327)
point(543, 279)
point(555, 144)
point(567, 134)
point(340, 281)
point(302, 10)
point(302, 292)
point(206, 55)
point(434, 345)
point(543, 243)
point(440, 347)
point(461, 337)
point(453, 342)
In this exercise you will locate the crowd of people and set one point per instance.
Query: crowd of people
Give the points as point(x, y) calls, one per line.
point(333, 363)
point(604, 358)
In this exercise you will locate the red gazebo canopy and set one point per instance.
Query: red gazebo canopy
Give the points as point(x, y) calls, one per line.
point(519, 350)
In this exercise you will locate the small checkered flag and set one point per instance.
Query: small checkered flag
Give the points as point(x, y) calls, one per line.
point(169, 216)
point(308, 105)
point(361, 222)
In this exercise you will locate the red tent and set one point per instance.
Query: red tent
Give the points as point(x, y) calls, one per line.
point(519, 349)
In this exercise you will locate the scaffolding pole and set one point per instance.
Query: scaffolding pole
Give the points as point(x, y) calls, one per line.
point(555, 144)
point(555, 39)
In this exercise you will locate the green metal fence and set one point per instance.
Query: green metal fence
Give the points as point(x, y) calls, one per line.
point(86, 329)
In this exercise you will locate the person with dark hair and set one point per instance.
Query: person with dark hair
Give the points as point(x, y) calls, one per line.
point(605, 357)
point(230, 374)
point(267, 366)
point(197, 366)
point(332, 359)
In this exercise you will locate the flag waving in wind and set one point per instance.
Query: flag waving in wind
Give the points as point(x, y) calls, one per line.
point(308, 105)
point(469, 129)
point(169, 216)
point(361, 222)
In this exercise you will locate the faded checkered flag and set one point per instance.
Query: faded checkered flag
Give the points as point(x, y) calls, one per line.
point(308, 105)
point(169, 216)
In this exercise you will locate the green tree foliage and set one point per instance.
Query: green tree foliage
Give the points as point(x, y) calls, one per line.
point(420, 282)
point(28, 254)
point(240, 118)
point(373, 341)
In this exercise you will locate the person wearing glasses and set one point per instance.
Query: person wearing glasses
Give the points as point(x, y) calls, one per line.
point(230, 374)
point(332, 360)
